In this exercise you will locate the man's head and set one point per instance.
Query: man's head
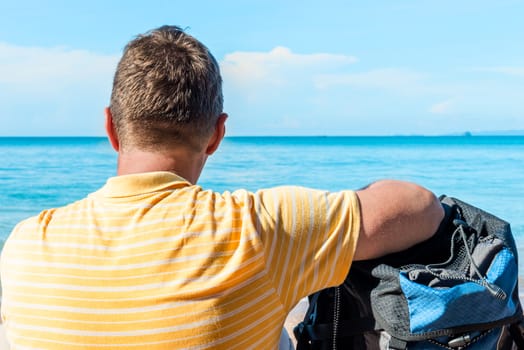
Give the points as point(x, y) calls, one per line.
point(167, 90)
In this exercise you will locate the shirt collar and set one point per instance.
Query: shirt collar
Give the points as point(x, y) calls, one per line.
point(138, 184)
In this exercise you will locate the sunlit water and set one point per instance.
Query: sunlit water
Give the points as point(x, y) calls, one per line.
point(38, 173)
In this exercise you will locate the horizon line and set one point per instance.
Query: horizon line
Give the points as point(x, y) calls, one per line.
point(463, 134)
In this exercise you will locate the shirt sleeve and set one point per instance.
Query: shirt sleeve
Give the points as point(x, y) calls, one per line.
point(309, 238)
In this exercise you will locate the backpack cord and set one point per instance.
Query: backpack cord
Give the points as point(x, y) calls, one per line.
point(493, 289)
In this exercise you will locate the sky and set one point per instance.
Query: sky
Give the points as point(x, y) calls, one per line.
point(382, 67)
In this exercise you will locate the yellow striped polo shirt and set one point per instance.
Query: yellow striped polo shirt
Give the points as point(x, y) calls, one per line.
point(152, 262)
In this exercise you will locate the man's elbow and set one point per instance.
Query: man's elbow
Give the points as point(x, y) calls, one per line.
point(395, 215)
point(432, 213)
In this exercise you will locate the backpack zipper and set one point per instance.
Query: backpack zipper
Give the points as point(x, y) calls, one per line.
point(336, 315)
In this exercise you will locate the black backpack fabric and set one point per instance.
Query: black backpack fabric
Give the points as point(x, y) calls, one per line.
point(457, 290)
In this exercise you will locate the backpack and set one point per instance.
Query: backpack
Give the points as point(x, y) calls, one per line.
point(457, 290)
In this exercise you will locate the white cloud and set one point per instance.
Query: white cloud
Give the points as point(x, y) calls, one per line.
point(278, 67)
point(279, 91)
point(31, 66)
point(444, 107)
point(53, 91)
point(507, 70)
point(395, 79)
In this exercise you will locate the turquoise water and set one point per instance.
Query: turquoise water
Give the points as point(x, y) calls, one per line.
point(488, 171)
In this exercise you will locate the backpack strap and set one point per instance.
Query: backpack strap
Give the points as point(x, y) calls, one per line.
point(517, 333)
point(346, 328)
point(299, 331)
point(305, 333)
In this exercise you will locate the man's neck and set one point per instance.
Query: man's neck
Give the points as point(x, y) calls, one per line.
point(185, 164)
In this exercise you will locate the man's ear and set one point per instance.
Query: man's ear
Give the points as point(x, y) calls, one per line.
point(218, 134)
point(110, 129)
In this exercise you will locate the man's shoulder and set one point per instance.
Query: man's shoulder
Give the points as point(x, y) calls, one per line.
point(36, 223)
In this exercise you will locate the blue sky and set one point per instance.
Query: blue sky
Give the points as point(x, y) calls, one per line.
point(382, 67)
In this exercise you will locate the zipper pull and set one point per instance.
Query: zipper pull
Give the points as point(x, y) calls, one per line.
point(459, 342)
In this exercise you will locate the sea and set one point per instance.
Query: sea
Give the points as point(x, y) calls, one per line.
point(487, 171)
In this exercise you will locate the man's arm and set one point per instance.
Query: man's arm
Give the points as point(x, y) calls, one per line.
point(395, 215)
